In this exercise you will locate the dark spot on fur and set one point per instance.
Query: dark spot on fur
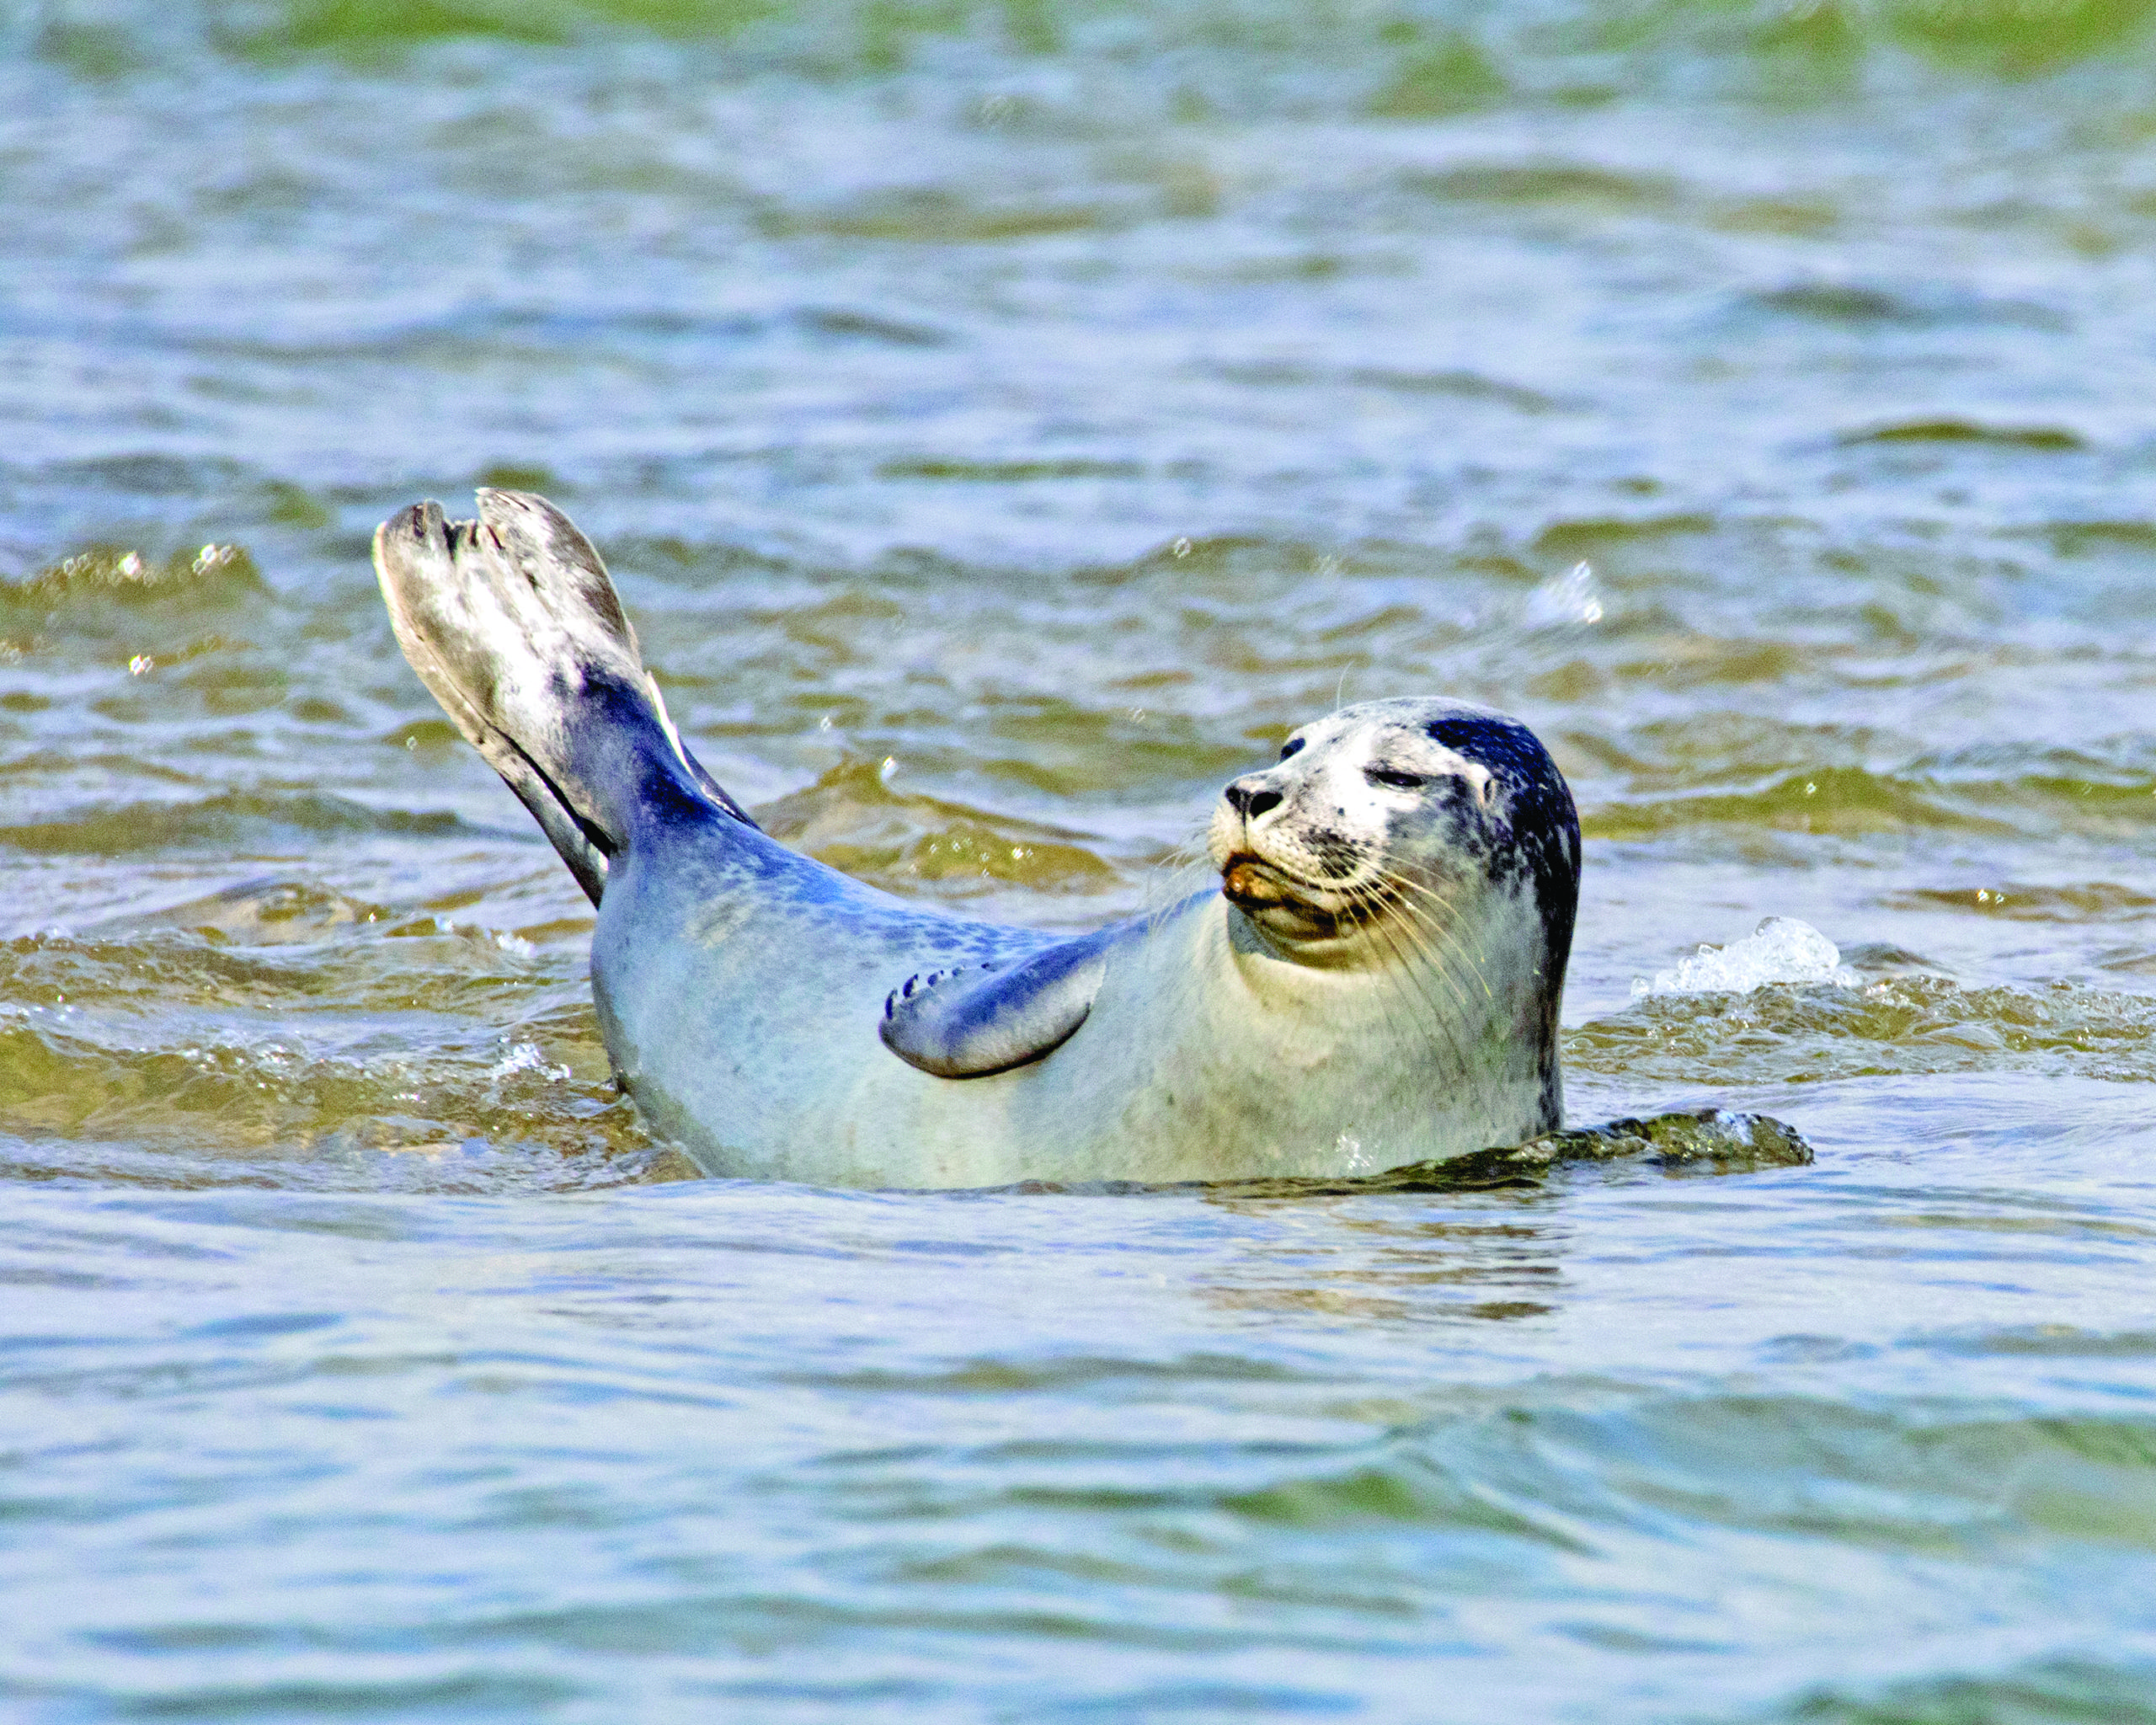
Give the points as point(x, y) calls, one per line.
point(1338, 856)
point(1531, 828)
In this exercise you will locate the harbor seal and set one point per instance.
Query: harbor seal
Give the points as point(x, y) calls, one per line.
point(1375, 981)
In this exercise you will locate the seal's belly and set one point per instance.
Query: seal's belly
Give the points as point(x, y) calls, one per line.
point(747, 1030)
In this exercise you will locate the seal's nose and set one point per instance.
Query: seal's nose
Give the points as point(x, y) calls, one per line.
point(1250, 799)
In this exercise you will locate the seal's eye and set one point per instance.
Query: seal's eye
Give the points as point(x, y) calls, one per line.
point(1292, 745)
point(1393, 780)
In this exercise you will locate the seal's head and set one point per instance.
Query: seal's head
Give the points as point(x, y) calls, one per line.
point(1407, 826)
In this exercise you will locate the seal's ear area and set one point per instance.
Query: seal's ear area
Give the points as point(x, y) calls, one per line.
point(969, 1022)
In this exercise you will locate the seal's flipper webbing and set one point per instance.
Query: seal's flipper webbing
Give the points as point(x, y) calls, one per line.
point(512, 623)
point(971, 1021)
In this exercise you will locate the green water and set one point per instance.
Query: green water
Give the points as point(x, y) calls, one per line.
point(1006, 421)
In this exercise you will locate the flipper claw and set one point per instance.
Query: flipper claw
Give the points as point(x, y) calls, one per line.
point(967, 1021)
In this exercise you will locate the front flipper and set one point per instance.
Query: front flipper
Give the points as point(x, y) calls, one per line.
point(972, 1020)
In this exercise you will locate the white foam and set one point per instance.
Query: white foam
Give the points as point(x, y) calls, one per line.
point(524, 1057)
point(1781, 949)
point(514, 944)
point(1573, 598)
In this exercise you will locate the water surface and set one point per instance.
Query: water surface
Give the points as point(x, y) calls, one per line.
point(1004, 422)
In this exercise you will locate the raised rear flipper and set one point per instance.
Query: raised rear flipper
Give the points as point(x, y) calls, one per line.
point(972, 1020)
point(513, 624)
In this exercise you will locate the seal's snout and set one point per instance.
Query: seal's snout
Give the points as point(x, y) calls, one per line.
point(1251, 797)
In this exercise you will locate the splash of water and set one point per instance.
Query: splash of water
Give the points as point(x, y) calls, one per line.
point(1781, 949)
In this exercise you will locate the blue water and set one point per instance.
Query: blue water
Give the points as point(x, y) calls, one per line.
point(1003, 422)
point(1631, 1448)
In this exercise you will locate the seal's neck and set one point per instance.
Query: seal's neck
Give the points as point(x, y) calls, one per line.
point(1449, 1003)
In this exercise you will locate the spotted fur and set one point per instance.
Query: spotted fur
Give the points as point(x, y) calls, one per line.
point(1429, 811)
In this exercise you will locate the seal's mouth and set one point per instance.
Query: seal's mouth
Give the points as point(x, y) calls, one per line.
point(1252, 884)
point(1255, 886)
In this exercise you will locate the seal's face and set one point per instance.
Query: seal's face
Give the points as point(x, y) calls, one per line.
point(1389, 822)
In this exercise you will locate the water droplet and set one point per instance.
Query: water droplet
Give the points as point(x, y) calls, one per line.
point(1571, 598)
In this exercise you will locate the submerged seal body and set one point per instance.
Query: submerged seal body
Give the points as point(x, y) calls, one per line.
point(1376, 980)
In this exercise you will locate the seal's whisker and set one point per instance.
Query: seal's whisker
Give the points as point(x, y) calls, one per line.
point(1181, 872)
point(1406, 976)
point(1448, 926)
point(1399, 981)
point(1405, 943)
point(1427, 926)
point(1445, 931)
point(1439, 958)
point(1430, 938)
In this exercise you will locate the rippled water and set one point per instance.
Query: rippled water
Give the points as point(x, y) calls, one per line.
point(1005, 421)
